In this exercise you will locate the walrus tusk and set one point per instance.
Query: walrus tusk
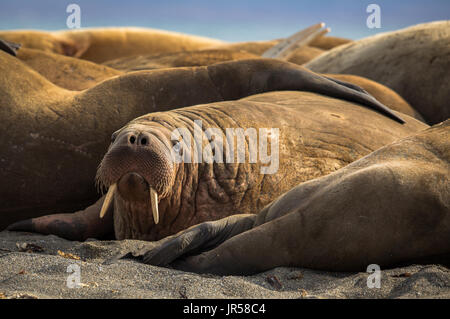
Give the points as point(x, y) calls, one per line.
point(108, 199)
point(285, 48)
point(154, 201)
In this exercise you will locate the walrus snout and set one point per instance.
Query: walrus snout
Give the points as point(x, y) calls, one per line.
point(133, 188)
point(141, 153)
point(138, 167)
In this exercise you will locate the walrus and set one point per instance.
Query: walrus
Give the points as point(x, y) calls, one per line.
point(102, 44)
point(329, 42)
point(300, 56)
point(177, 59)
point(389, 208)
point(66, 72)
point(414, 62)
point(42, 40)
point(207, 57)
point(381, 92)
point(282, 50)
point(150, 196)
point(77, 74)
point(195, 58)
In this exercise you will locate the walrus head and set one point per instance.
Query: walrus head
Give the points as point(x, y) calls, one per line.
point(138, 169)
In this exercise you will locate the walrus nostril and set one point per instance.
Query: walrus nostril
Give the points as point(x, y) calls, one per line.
point(144, 141)
point(132, 139)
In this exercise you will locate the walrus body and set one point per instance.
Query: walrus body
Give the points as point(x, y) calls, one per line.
point(41, 40)
point(329, 42)
point(300, 55)
point(47, 131)
point(317, 135)
point(381, 92)
point(95, 44)
point(208, 57)
point(414, 62)
point(177, 59)
point(66, 72)
point(77, 74)
point(391, 207)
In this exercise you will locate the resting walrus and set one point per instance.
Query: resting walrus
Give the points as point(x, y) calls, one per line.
point(76, 74)
point(414, 62)
point(153, 197)
point(95, 44)
point(66, 72)
point(47, 131)
point(388, 208)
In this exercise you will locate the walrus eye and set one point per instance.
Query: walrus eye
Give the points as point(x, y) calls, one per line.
point(113, 137)
point(177, 147)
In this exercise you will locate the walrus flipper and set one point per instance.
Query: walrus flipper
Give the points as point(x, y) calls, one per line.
point(74, 226)
point(198, 238)
point(348, 84)
point(353, 93)
point(266, 75)
point(9, 47)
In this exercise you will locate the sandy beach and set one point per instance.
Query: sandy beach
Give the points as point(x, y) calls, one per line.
point(43, 274)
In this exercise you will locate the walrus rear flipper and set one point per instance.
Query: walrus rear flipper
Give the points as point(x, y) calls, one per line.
point(353, 93)
point(264, 75)
point(348, 84)
point(9, 47)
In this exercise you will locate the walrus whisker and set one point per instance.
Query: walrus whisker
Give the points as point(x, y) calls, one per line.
point(108, 199)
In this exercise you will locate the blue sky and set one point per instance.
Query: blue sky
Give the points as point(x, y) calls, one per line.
point(231, 20)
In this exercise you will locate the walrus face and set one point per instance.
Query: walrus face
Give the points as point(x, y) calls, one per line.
point(137, 167)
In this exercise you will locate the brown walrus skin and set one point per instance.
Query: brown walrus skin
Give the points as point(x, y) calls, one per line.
point(207, 57)
point(77, 74)
point(96, 44)
point(329, 42)
point(66, 72)
point(389, 208)
point(300, 55)
point(381, 92)
point(41, 40)
point(414, 62)
point(177, 59)
point(322, 43)
point(61, 130)
point(318, 135)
